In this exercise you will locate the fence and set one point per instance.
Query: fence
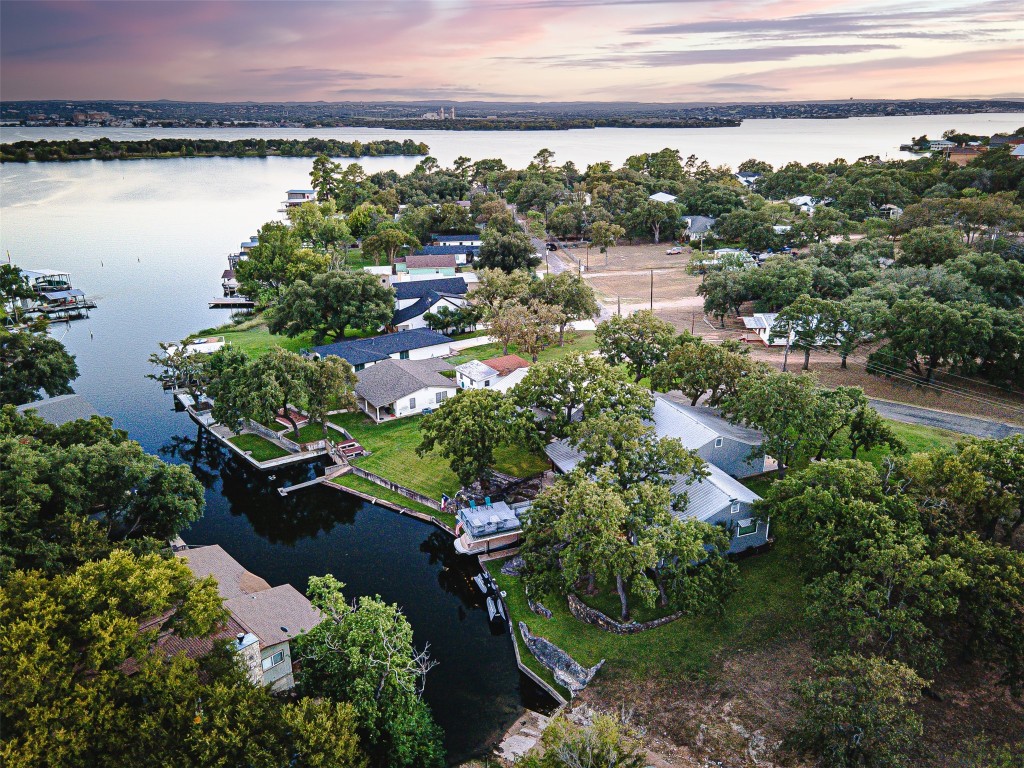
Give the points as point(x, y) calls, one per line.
point(385, 483)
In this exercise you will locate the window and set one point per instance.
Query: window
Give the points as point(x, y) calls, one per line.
point(403, 355)
point(360, 367)
point(747, 527)
point(735, 507)
point(487, 383)
point(273, 661)
point(718, 442)
point(412, 402)
point(441, 397)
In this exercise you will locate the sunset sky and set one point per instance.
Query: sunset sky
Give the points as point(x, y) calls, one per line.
point(511, 50)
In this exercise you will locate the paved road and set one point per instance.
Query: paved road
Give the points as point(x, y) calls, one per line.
point(967, 425)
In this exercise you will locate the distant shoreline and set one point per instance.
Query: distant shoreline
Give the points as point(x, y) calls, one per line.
point(69, 150)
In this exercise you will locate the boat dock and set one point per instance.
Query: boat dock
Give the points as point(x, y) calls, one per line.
point(232, 302)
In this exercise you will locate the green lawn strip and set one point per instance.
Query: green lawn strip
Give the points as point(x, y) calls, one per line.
point(254, 338)
point(515, 601)
point(767, 604)
point(584, 342)
point(393, 455)
point(370, 488)
point(259, 448)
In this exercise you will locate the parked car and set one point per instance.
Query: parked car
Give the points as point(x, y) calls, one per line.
point(552, 247)
point(674, 251)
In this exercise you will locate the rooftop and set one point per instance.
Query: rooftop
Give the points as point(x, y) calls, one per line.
point(416, 289)
point(474, 370)
point(232, 579)
point(382, 384)
point(662, 197)
point(505, 364)
point(363, 351)
point(275, 615)
point(430, 260)
point(449, 249)
point(708, 496)
point(449, 238)
point(61, 409)
point(499, 517)
point(698, 422)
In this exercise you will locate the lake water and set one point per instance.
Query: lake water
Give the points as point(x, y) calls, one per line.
point(148, 240)
point(776, 141)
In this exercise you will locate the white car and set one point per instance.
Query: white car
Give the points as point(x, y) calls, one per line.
point(675, 251)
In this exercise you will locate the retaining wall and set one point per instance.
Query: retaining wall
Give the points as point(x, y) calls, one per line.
point(407, 492)
point(589, 615)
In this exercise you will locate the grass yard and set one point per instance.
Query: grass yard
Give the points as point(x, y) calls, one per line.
point(258, 447)
point(393, 448)
point(363, 485)
point(584, 342)
point(767, 605)
point(254, 338)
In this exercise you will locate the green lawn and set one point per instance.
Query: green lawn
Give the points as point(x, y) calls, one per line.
point(254, 338)
point(393, 447)
point(584, 342)
point(767, 605)
point(259, 448)
point(363, 485)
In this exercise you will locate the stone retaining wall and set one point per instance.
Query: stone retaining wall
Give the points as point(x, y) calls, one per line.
point(407, 492)
point(589, 615)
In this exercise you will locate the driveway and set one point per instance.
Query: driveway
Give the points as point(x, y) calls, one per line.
point(967, 425)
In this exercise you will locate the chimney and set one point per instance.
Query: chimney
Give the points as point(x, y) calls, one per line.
point(240, 637)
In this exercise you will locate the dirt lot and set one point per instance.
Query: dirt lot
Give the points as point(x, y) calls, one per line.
point(627, 278)
point(740, 716)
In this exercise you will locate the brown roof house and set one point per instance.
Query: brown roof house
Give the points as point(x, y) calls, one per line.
point(267, 618)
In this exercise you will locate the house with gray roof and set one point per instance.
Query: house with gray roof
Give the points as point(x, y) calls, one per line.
point(730, 447)
point(474, 374)
point(408, 292)
point(410, 344)
point(411, 316)
point(697, 227)
point(61, 409)
point(393, 389)
point(273, 616)
point(717, 499)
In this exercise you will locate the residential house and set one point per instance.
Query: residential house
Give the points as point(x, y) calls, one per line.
point(411, 316)
point(433, 264)
point(761, 324)
point(410, 291)
point(663, 197)
point(273, 615)
point(1018, 152)
point(475, 375)
point(717, 499)
point(296, 197)
point(940, 145)
point(393, 389)
point(697, 227)
point(890, 211)
point(730, 447)
point(808, 204)
point(468, 239)
point(412, 344)
point(963, 155)
point(464, 254)
point(61, 409)
point(747, 178)
point(506, 364)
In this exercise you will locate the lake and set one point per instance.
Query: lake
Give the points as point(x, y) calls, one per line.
point(148, 239)
point(776, 141)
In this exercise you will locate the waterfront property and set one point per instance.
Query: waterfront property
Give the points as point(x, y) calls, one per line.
point(392, 389)
point(53, 296)
point(412, 344)
point(274, 616)
point(488, 527)
point(296, 197)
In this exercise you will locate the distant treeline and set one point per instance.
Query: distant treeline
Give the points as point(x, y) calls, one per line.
point(539, 124)
point(106, 149)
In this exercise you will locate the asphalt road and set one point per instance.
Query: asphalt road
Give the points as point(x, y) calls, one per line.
point(967, 425)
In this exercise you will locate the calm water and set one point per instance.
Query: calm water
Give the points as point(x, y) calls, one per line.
point(148, 241)
point(777, 141)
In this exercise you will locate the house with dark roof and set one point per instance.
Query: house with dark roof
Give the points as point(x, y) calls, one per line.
point(274, 616)
point(697, 227)
point(465, 239)
point(61, 409)
point(412, 344)
point(393, 389)
point(412, 315)
point(410, 291)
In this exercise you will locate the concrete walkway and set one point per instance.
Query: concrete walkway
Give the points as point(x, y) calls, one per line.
point(928, 417)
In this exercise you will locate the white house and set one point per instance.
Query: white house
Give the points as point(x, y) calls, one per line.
point(395, 388)
point(809, 204)
point(761, 324)
point(411, 316)
point(472, 239)
point(475, 374)
point(296, 197)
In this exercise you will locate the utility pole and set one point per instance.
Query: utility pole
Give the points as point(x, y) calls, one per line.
point(619, 310)
point(652, 290)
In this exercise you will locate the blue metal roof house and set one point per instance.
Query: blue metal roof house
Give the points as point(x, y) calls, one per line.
point(414, 344)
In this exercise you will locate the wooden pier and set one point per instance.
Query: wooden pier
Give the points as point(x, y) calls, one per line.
point(232, 302)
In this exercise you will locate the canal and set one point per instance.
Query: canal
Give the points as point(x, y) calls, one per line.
point(148, 241)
